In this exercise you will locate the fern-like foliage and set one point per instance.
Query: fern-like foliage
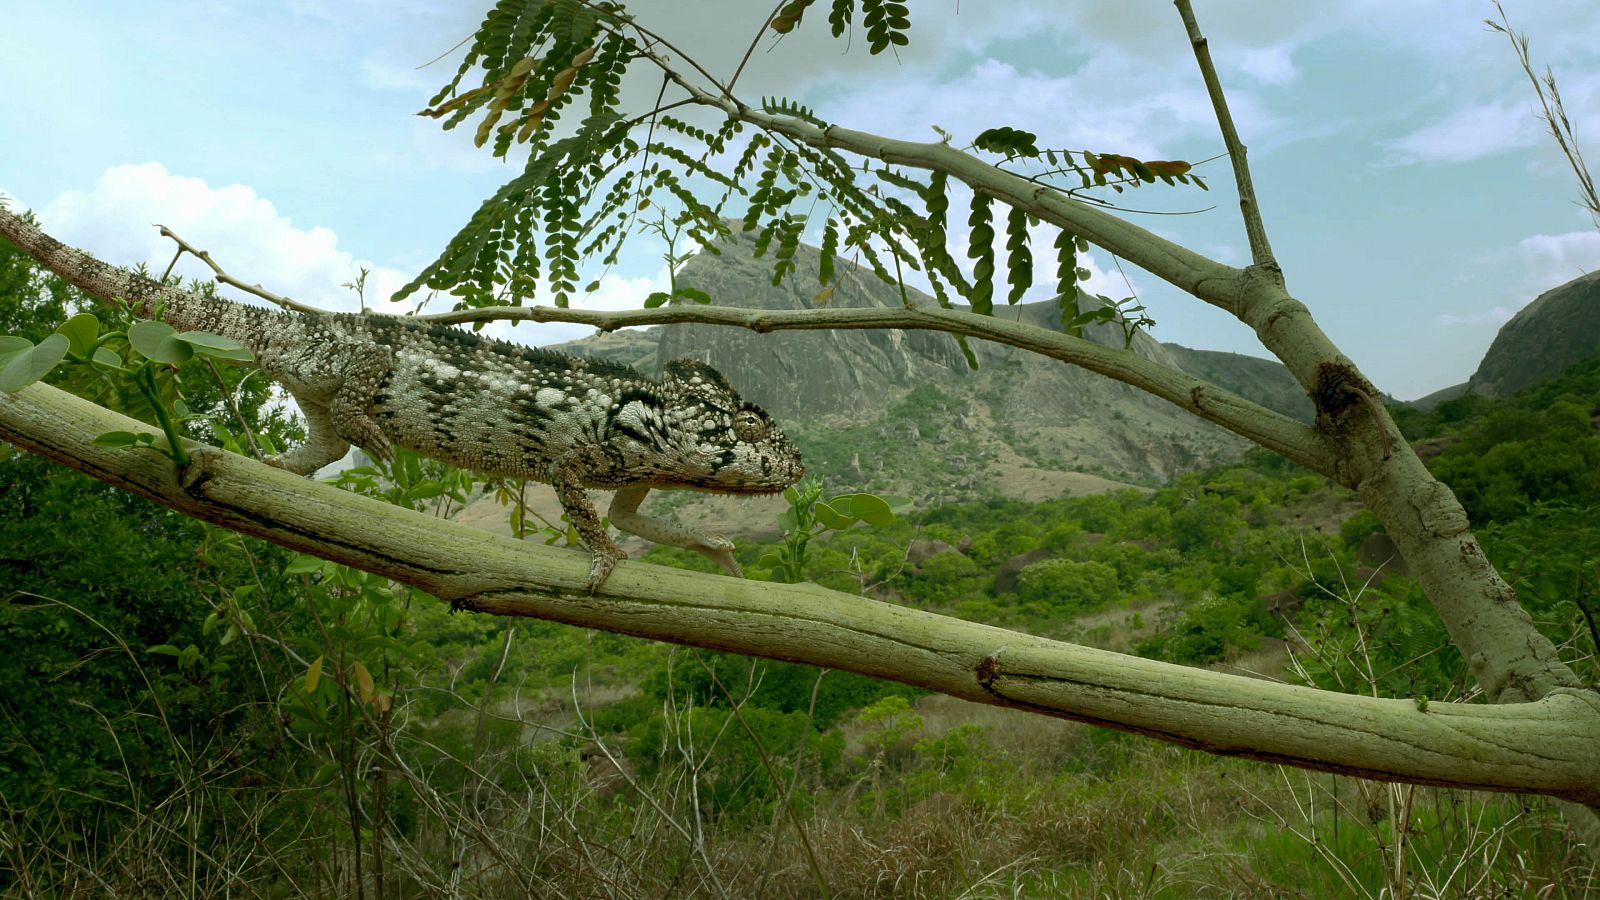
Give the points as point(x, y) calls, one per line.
point(549, 79)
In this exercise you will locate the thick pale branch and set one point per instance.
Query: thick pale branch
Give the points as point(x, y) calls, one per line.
point(1265, 427)
point(1545, 747)
point(1505, 652)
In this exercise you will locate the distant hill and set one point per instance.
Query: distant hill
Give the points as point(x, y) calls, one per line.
point(901, 412)
point(1559, 328)
point(1439, 396)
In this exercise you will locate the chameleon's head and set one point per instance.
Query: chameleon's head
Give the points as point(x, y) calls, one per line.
point(729, 446)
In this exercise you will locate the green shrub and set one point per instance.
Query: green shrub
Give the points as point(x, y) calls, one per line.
point(1209, 630)
point(1064, 586)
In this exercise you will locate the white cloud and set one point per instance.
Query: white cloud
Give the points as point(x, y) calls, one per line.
point(1494, 315)
point(1095, 107)
point(1552, 259)
point(1545, 261)
point(1268, 65)
point(243, 231)
point(1469, 133)
point(247, 236)
point(384, 76)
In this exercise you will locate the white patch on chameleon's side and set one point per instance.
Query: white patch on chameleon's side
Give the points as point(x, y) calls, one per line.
point(443, 370)
point(546, 396)
point(639, 415)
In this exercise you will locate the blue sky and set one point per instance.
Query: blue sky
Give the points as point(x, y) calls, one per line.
point(1410, 193)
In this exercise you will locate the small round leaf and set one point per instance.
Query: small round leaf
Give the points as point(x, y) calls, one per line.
point(11, 344)
point(868, 508)
point(831, 517)
point(207, 344)
point(26, 368)
point(158, 341)
point(81, 331)
point(107, 357)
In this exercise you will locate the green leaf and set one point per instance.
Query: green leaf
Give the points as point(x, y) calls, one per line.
point(656, 298)
point(1019, 259)
point(694, 294)
point(869, 508)
point(158, 341)
point(81, 331)
point(425, 490)
point(163, 649)
point(966, 351)
point(313, 675)
point(10, 344)
point(207, 344)
point(364, 681)
point(831, 517)
point(830, 248)
point(789, 16)
point(1009, 141)
point(29, 366)
point(980, 249)
point(105, 356)
point(1066, 245)
point(303, 565)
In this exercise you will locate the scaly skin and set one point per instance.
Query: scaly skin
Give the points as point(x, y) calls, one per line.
point(380, 381)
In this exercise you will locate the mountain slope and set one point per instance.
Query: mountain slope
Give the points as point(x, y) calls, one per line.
point(901, 412)
point(1559, 328)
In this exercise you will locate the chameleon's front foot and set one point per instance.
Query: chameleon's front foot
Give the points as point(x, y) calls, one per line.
point(719, 550)
point(605, 559)
point(626, 516)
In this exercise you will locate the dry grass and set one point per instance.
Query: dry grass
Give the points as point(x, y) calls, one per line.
point(970, 801)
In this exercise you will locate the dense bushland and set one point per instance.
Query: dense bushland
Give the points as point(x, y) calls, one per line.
point(186, 709)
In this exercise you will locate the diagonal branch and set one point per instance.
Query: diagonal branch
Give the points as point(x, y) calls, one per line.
point(1255, 230)
point(1270, 429)
point(1543, 747)
point(1214, 282)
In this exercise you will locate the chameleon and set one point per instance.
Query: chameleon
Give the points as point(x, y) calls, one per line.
point(384, 381)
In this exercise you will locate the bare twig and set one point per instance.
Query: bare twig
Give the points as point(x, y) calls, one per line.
point(233, 407)
point(222, 276)
point(1260, 248)
point(1553, 113)
point(745, 60)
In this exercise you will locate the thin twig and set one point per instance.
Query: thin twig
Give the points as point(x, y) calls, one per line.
point(222, 276)
point(753, 42)
point(1260, 248)
point(1270, 429)
point(1554, 113)
point(233, 407)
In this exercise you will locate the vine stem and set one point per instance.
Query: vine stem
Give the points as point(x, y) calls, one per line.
point(147, 387)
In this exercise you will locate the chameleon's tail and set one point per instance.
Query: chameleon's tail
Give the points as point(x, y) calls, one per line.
point(183, 309)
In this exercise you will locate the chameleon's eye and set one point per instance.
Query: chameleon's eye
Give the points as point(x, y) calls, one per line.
point(749, 425)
